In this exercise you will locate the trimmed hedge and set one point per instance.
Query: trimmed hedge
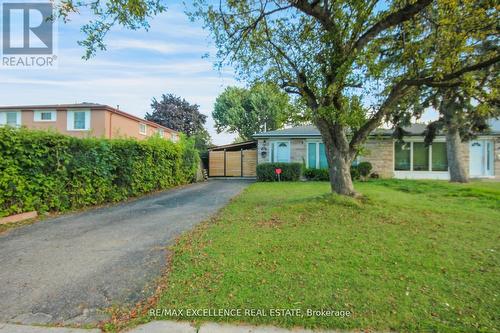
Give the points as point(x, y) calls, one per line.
point(362, 170)
point(289, 171)
point(316, 174)
point(47, 171)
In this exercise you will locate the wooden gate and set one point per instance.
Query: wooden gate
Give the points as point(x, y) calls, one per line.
point(240, 163)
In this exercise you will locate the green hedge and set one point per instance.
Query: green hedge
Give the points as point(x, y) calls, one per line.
point(317, 174)
point(46, 171)
point(362, 170)
point(290, 171)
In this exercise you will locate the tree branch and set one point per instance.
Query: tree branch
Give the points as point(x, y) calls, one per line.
point(315, 10)
point(390, 20)
point(402, 87)
point(398, 90)
point(432, 81)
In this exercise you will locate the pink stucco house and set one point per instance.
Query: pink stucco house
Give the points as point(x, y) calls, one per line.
point(83, 120)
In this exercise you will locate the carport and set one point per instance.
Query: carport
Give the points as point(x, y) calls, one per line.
point(233, 160)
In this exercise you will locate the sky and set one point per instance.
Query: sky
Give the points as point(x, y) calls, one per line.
point(137, 66)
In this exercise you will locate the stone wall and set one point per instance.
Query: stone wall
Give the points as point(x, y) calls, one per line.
point(260, 144)
point(380, 153)
point(298, 151)
point(496, 157)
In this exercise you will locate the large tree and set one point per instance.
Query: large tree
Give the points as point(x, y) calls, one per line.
point(334, 53)
point(178, 114)
point(247, 111)
point(464, 104)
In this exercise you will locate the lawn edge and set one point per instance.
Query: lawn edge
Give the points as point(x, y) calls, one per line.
point(127, 318)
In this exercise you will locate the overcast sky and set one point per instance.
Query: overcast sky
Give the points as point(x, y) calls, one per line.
point(137, 66)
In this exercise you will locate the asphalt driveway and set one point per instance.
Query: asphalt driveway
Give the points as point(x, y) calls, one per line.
point(66, 269)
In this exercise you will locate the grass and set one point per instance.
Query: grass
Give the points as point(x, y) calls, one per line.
point(411, 256)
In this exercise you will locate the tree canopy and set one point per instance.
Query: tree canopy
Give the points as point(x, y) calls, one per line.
point(247, 111)
point(178, 114)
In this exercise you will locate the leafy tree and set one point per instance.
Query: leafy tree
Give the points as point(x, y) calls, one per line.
point(202, 140)
point(462, 117)
point(178, 114)
point(464, 103)
point(334, 53)
point(248, 111)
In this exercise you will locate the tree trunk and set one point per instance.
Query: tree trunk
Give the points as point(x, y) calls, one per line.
point(340, 174)
point(456, 161)
point(338, 156)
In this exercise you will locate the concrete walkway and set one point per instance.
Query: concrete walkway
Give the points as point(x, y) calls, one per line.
point(167, 327)
point(67, 269)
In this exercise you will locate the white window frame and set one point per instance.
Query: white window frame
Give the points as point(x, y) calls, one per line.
point(70, 114)
point(37, 116)
point(174, 137)
point(275, 151)
point(145, 132)
point(411, 141)
point(3, 117)
point(161, 132)
point(317, 142)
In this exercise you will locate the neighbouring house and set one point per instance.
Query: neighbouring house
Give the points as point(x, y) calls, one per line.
point(390, 158)
point(83, 120)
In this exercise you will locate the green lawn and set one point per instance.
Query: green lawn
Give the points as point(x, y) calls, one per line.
point(410, 256)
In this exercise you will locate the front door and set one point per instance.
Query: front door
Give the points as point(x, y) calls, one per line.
point(481, 158)
point(282, 151)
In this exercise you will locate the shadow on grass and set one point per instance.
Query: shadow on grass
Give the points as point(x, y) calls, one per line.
point(487, 196)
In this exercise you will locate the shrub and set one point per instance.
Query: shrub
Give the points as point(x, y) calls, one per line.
point(364, 169)
point(317, 174)
point(289, 171)
point(46, 171)
point(354, 172)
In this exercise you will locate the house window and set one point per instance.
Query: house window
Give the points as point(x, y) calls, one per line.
point(45, 116)
point(161, 132)
point(10, 118)
point(402, 156)
point(420, 157)
point(78, 120)
point(316, 155)
point(142, 128)
point(415, 156)
point(439, 157)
